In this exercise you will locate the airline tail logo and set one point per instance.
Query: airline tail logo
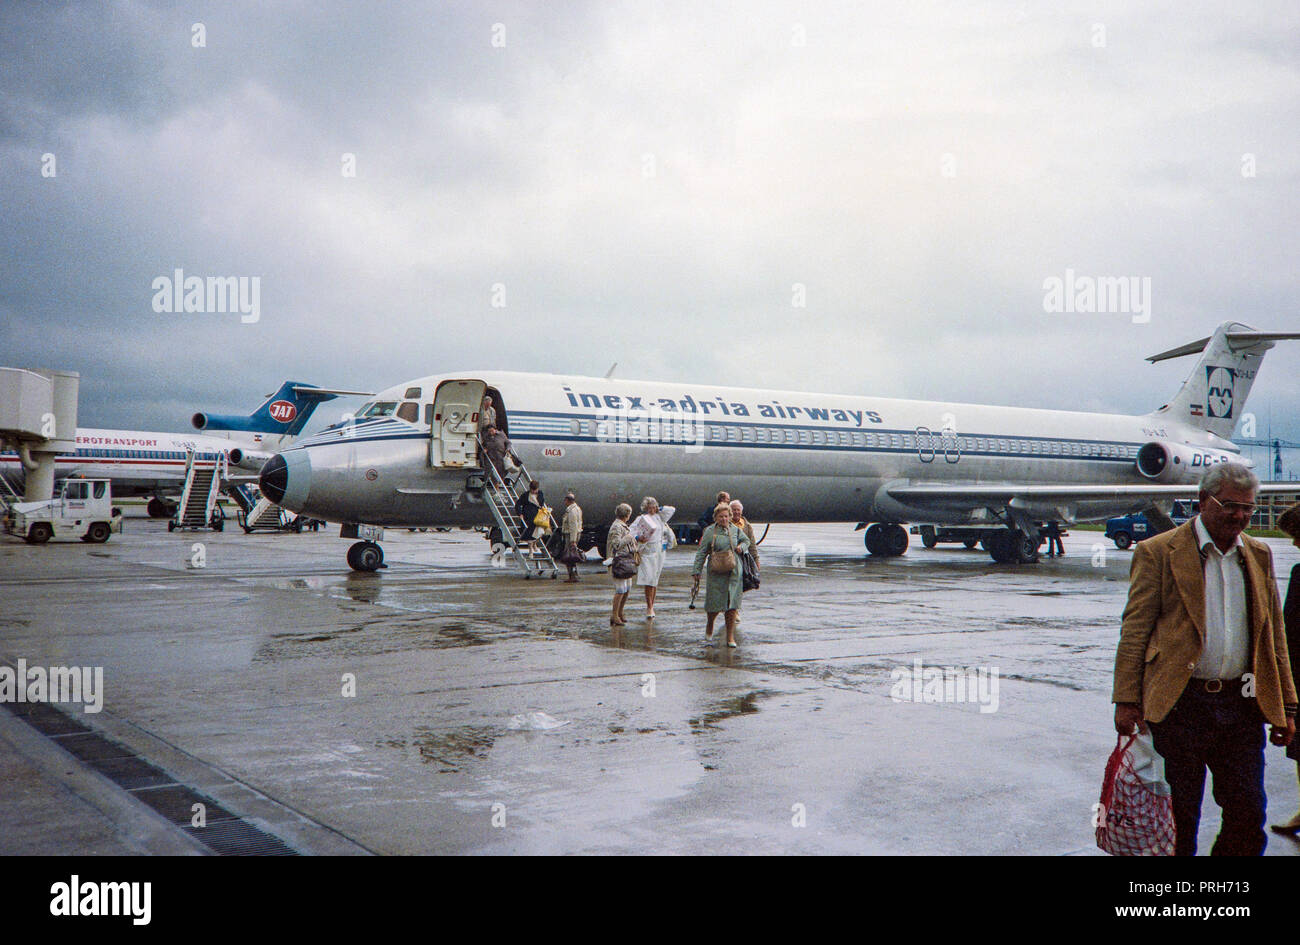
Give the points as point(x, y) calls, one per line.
point(284, 411)
point(1218, 396)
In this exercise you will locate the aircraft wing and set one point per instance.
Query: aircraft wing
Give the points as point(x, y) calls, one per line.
point(1025, 504)
point(1002, 493)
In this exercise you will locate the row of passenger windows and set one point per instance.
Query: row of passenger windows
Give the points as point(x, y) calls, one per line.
point(92, 453)
point(675, 431)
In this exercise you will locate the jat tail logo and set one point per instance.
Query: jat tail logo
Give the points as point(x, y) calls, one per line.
point(1218, 396)
point(284, 411)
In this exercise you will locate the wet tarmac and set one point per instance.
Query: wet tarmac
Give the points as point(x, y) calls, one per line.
point(444, 705)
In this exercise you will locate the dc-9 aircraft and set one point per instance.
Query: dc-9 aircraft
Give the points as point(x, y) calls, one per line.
point(409, 457)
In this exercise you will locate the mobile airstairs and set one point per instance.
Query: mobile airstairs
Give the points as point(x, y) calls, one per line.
point(502, 494)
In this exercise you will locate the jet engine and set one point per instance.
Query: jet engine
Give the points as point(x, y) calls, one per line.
point(251, 460)
point(1177, 463)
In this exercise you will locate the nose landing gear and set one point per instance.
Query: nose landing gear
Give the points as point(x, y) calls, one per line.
point(366, 556)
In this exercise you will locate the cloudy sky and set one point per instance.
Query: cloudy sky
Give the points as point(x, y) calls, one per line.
point(856, 198)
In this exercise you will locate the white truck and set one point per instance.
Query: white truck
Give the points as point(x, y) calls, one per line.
point(81, 508)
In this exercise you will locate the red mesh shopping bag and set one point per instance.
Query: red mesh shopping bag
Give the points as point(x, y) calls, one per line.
point(1136, 813)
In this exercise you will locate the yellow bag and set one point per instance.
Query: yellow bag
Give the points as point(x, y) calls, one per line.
point(543, 518)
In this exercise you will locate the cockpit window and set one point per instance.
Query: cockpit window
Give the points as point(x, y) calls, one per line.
point(409, 411)
point(412, 393)
point(383, 408)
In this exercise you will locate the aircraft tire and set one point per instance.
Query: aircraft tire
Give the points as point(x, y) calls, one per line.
point(998, 545)
point(929, 537)
point(1024, 548)
point(970, 543)
point(366, 556)
point(894, 539)
point(157, 508)
point(873, 540)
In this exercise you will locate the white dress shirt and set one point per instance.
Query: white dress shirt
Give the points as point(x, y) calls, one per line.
point(1227, 638)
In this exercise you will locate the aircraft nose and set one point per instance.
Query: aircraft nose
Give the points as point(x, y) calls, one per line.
point(285, 479)
point(274, 478)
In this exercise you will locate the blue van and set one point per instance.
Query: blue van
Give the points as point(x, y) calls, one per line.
point(1127, 529)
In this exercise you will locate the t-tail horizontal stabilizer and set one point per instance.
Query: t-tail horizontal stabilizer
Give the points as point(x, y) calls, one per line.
point(1214, 395)
point(284, 413)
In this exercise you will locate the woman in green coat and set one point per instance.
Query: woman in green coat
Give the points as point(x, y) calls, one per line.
point(722, 592)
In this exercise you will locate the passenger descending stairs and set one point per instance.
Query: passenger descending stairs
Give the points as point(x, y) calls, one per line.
point(202, 486)
point(501, 495)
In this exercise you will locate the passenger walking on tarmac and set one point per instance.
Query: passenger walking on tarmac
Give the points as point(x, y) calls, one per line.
point(1202, 662)
point(738, 519)
point(571, 530)
point(706, 517)
point(497, 447)
point(651, 531)
point(621, 545)
point(1055, 547)
point(720, 543)
point(530, 505)
point(1290, 523)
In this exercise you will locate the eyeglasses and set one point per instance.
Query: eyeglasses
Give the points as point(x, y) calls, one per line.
point(1241, 508)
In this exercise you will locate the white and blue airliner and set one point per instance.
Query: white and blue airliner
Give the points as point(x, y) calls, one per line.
point(408, 457)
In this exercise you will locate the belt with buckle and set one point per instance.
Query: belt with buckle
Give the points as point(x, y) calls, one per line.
point(1215, 686)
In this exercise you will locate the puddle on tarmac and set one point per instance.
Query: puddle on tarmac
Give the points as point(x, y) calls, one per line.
point(387, 634)
point(450, 750)
point(746, 704)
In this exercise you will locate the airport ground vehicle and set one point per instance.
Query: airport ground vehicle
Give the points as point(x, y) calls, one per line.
point(1124, 530)
point(81, 508)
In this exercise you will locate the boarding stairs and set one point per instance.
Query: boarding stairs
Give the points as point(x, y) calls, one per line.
point(256, 510)
point(265, 514)
point(199, 496)
point(8, 495)
point(502, 494)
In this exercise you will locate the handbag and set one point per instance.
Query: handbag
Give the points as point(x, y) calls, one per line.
point(571, 554)
point(624, 566)
point(749, 579)
point(723, 562)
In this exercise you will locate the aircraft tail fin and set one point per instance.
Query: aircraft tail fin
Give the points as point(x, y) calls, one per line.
point(1213, 397)
point(283, 413)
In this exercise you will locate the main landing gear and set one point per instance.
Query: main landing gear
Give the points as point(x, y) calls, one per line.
point(160, 508)
point(366, 556)
point(1011, 546)
point(885, 540)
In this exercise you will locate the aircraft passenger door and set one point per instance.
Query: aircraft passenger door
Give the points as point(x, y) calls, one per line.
point(456, 406)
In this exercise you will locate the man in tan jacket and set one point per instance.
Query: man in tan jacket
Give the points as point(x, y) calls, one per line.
point(1202, 659)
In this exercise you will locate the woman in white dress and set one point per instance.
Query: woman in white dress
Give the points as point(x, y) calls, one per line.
point(651, 532)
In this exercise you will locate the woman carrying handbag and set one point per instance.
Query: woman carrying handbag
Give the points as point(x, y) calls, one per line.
point(720, 545)
point(529, 508)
